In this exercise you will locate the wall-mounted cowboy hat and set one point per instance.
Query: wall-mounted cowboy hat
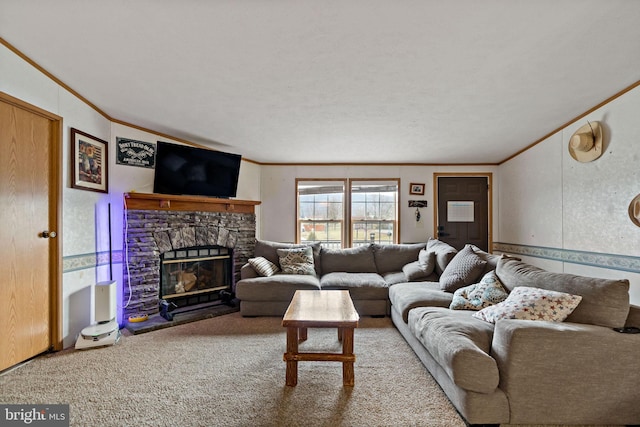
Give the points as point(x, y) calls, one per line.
point(585, 144)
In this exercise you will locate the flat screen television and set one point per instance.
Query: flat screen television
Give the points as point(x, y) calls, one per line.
point(185, 170)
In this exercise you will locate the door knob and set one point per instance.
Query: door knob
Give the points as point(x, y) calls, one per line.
point(48, 234)
point(441, 232)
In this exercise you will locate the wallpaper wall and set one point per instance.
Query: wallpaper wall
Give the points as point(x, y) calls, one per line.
point(571, 216)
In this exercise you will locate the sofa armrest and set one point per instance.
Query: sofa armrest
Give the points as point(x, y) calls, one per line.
point(247, 272)
point(567, 372)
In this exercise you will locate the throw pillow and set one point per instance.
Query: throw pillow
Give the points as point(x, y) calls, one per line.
point(417, 270)
point(492, 259)
point(487, 292)
point(263, 266)
point(527, 303)
point(297, 261)
point(444, 253)
point(427, 260)
point(463, 270)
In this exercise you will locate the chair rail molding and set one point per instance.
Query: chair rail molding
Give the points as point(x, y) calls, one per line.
point(594, 259)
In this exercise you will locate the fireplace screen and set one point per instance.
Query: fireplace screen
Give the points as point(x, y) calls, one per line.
point(195, 275)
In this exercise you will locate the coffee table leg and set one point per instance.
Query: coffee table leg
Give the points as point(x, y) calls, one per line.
point(292, 350)
point(302, 334)
point(348, 376)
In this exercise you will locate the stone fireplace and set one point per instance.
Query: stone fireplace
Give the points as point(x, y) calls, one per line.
point(160, 227)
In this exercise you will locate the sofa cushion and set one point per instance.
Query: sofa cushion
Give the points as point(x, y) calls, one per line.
point(279, 287)
point(394, 257)
point(359, 285)
point(395, 277)
point(422, 268)
point(351, 260)
point(525, 303)
point(407, 296)
point(263, 266)
point(487, 292)
point(460, 344)
point(269, 250)
point(297, 261)
point(444, 253)
point(463, 270)
point(605, 302)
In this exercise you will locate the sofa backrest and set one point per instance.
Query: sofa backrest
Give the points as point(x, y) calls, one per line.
point(351, 260)
point(391, 258)
point(605, 302)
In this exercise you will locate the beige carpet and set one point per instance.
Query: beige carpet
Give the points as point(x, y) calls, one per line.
point(228, 371)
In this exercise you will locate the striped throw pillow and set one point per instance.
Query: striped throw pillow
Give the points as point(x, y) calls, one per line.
point(263, 266)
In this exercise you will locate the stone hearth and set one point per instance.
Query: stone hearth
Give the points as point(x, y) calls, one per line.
point(151, 232)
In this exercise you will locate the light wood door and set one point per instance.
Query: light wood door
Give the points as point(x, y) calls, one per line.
point(29, 144)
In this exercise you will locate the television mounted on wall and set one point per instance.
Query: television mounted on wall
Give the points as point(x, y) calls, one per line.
point(186, 170)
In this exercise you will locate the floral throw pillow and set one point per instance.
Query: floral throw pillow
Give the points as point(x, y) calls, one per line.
point(297, 261)
point(527, 303)
point(263, 266)
point(479, 295)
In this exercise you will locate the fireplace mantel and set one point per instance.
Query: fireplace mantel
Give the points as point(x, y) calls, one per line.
point(169, 202)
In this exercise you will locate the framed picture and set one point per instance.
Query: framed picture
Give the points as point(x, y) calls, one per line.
point(416, 189)
point(89, 162)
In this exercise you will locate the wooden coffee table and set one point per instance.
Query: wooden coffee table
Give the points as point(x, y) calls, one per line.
point(320, 309)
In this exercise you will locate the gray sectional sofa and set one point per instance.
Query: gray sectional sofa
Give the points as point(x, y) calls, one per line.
point(366, 271)
point(465, 314)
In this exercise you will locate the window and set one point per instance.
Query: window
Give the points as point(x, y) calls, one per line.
point(321, 212)
point(374, 212)
point(322, 215)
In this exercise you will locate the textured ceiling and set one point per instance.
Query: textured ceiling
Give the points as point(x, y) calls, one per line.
point(355, 81)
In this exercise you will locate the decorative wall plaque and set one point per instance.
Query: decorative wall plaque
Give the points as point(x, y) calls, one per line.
point(135, 153)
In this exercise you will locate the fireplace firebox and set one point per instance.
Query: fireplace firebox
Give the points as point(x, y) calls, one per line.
point(194, 276)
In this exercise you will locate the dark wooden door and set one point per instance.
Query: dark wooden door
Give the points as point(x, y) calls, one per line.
point(463, 211)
